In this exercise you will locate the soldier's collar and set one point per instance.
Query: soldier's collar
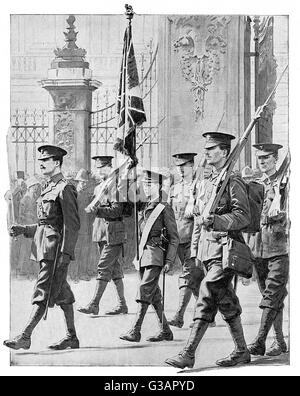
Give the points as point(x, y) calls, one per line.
point(151, 204)
point(56, 178)
point(267, 178)
point(52, 182)
point(215, 173)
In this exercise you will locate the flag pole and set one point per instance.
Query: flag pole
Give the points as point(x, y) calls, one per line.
point(129, 15)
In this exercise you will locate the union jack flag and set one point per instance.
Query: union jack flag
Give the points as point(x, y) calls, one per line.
point(130, 107)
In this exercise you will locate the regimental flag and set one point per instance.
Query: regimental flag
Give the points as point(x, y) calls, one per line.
point(130, 108)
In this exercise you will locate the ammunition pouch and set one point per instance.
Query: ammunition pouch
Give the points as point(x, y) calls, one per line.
point(237, 257)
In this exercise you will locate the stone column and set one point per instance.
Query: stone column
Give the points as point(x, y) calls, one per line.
point(70, 85)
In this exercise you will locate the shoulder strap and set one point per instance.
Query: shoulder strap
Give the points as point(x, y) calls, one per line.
point(149, 224)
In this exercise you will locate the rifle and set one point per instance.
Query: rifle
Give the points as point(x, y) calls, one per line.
point(225, 173)
point(282, 173)
point(189, 210)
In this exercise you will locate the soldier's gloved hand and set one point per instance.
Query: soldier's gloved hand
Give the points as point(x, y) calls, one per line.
point(63, 260)
point(17, 229)
point(208, 221)
point(168, 268)
point(132, 162)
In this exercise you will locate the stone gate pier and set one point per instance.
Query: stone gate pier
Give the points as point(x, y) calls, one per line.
point(70, 85)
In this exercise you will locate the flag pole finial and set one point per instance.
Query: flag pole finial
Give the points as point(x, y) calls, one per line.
point(129, 12)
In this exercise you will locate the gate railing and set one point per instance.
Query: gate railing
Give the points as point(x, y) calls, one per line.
point(29, 129)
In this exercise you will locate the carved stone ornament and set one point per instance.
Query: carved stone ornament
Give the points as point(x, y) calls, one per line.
point(64, 100)
point(64, 131)
point(200, 56)
point(70, 50)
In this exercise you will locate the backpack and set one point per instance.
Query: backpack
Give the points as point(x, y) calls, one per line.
point(256, 193)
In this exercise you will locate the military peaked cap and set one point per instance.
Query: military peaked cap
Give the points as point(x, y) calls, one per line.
point(215, 138)
point(103, 159)
point(267, 148)
point(183, 158)
point(48, 151)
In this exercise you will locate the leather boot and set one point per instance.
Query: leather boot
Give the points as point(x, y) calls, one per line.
point(121, 307)
point(186, 358)
point(241, 354)
point(19, 342)
point(185, 294)
point(258, 347)
point(70, 341)
point(93, 306)
point(279, 346)
point(134, 335)
point(165, 333)
point(23, 341)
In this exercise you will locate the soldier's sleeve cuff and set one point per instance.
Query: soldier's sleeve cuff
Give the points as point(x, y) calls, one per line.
point(222, 222)
point(30, 230)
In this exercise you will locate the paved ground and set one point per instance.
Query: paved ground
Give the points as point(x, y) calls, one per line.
point(99, 335)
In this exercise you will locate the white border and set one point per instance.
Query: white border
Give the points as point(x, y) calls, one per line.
point(254, 7)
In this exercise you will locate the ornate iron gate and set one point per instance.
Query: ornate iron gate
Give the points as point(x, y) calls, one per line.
point(29, 129)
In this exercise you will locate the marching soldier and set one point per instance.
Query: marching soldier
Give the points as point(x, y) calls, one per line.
point(156, 218)
point(191, 275)
point(270, 247)
point(28, 215)
point(85, 251)
point(54, 240)
point(109, 233)
point(216, 290)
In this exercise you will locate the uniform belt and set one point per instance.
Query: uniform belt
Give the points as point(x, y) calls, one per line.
point(114, 219)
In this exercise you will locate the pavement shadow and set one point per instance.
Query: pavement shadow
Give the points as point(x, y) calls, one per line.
point(99, 348)
point(281, 360)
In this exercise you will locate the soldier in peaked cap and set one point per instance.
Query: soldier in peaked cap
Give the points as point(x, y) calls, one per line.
point(156, 220)
point(109, 234)
point(191, 275)
point(216, 290)
point(270, 247)
point(54, 239)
